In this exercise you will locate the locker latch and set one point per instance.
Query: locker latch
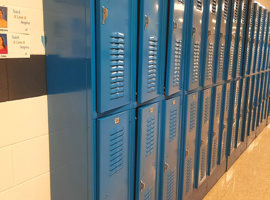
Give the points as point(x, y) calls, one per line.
point(104, 14)
point(202, 142)
point(174, 26)
point(193, 31)
point(146, 21)
point(186, 153)
point(166, 166)
point(142, 186)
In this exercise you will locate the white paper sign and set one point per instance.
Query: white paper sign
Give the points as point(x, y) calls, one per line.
point(15, 20)
point(14, 45)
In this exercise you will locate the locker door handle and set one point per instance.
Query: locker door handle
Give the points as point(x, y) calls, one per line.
point(146, 21)
point(174, 26)
point(186, 153)
point(202, 142)
point(166, 166)
point(142, 186)
point(104, 14)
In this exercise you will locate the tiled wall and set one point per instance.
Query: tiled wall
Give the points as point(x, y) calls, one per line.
point(24, 135)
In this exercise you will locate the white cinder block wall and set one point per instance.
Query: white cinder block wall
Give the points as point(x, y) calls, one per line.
point(24, 134)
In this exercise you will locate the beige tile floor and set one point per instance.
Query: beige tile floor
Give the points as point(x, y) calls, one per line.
point(249, 177)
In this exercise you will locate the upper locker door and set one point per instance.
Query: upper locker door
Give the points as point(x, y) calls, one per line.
point(191, 126)
point(113, 54)
point(115, 136)
point(171, 154)
point(196, 46)
point(221, 55)
point(173, 68)
point(211, 42)
point(148, 126)
point(149, 81)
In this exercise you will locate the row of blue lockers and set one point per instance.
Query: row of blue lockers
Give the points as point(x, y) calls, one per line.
point(149, 50)
point(180, 86)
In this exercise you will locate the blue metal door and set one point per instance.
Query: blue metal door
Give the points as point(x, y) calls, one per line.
point(190, 131)
point(115, 156)
point(174, 71)
point(208, 74)
point(193, 81)
point(114, 54)
point(148, 129)
point(149, 80)
point(213, 154)
point(171, 149)
point(203, 143)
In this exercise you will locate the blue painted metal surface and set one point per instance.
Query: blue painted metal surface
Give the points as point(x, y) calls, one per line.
point(147, 151)
point(170, 143)
point(188, 128)
point(115, 65)
point(116, 147)
point(151, 56)
point(174, 65)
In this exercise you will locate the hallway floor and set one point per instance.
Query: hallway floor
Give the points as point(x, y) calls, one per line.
point(249, 177)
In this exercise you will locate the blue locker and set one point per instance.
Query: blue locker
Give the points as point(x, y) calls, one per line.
point(115, 156)
point(234, 108)
point(255, 52)
point(148, 133)
point(213, 154)
point(223, 126)
point(266, 95)
point(260, 41)
point(189, 133)
point(211, 42)
point(192, 49)
point(115, 64)
point(256, 98)
point(227, 75)
point(251, 38)
point(150, 72)
point(174, 71)
point(218, 71)
point(244, 108)
point(202, 137)
point(241, 112)
point(171, 137)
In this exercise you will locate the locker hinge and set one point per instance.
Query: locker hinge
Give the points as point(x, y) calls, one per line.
point(166, 166)
point(104, 14)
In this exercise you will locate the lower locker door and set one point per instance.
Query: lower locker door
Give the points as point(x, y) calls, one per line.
point(233, 138)
point(114, 156)
point(148, 123)
point(214, 152)
point(171, 153)
point(239, 132)
point(191, 116)
point(223, 146)
point(203, 162)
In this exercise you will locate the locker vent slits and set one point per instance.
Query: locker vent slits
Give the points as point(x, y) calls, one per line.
point(150, 136)
point(152, 65)
point(244, 10)
point(239, 59)
point(223, 150)
point(203, 163)
point(117, 55)
point(218, 104)
point(188, 175)
point(199, 4)
point(246, 64)
point(221, 60)
point(214, 6)
point(226, 6)
point(227, 101)
point(236, 97)
point(195, 72)
point(236, 7)
point(173, 116)
point(148, 194)
point(214, 153)
point(209, 71)
point(116, 150)
point(231, 61)
point(177, 63)
point(207, 109)
point(170, 185)
point(233, 137)
point(192, 119)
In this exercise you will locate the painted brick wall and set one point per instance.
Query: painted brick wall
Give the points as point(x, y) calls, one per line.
point(24, 135)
